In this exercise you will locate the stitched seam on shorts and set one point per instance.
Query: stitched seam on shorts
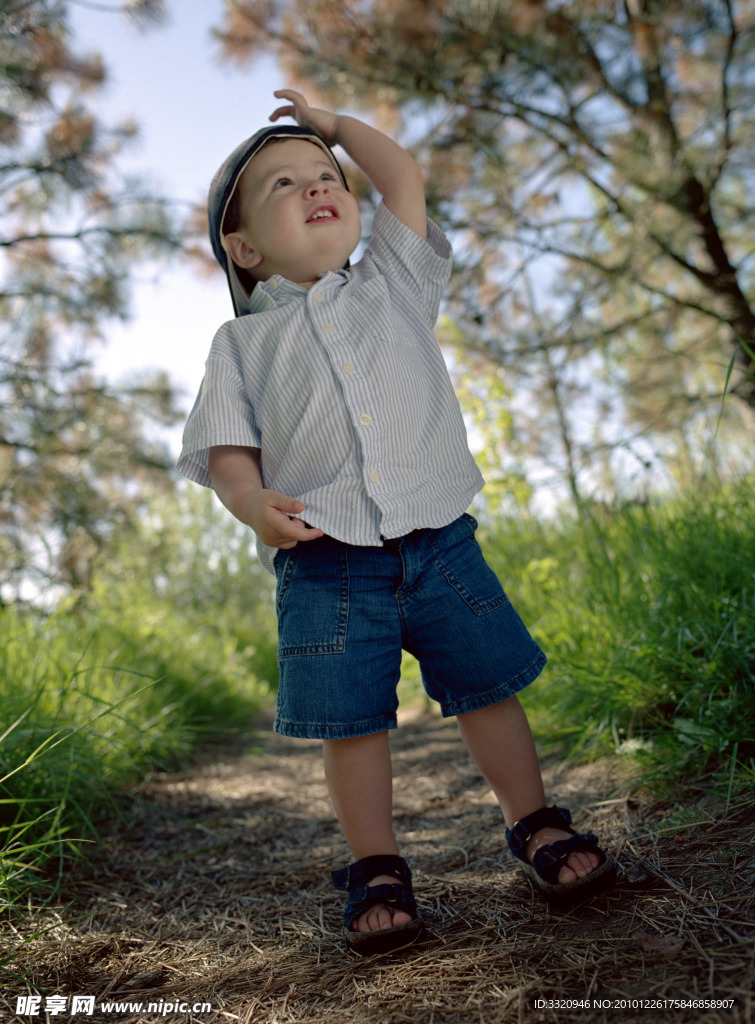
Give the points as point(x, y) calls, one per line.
point(338, 644)
point(378, 720)
point(478, 607)
point(509, 688)
point(287, 574)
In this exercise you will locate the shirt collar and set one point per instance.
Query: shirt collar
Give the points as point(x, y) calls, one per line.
point(277, 291)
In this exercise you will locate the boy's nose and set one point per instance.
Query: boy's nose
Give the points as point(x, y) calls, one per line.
point(316, 187)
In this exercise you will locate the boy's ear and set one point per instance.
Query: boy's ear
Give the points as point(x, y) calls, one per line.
point(241, 253)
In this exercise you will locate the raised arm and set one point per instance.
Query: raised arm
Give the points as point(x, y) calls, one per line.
point(395, 173)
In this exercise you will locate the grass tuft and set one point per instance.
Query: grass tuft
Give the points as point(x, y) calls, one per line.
point(648, 618)
point(95, 704)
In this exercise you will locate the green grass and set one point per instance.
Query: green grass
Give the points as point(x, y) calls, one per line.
point(90, 705)
point(648, 618)
point(169, 648)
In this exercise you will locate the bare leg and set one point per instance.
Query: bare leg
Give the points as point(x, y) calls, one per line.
point(360, 782)
point(499, 739)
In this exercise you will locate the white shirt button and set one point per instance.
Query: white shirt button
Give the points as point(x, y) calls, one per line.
point(374, 476)
point(319, 297)
point(348, 367)
point(365, 420)
point(329, 328)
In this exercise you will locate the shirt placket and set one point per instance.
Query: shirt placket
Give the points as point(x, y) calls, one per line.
point(348, 364)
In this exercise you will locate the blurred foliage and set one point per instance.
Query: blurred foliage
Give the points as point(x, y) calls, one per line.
point(75, 450)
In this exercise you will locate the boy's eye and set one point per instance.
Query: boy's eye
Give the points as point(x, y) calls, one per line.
point(281, 182)
point(328, 176)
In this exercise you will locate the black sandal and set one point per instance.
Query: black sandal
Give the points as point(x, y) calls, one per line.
point(354, 879)
point(548, 860)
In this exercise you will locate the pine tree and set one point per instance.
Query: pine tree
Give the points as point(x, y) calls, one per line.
point(74, 450)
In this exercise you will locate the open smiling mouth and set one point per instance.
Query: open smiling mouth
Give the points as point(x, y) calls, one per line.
point(323, 213)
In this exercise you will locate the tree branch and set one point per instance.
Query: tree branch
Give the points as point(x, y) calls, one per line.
point(76, 236)
point(726, 112)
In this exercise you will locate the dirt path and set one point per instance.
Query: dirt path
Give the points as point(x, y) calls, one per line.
point(215, 888)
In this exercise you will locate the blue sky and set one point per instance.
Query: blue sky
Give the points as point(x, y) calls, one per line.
point(192, 111)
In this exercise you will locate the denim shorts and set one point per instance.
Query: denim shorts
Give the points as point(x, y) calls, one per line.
point(345, 613)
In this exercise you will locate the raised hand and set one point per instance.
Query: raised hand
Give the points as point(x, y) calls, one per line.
point(324, 122)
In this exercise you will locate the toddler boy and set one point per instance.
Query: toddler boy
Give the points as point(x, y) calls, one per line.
point(326, 421)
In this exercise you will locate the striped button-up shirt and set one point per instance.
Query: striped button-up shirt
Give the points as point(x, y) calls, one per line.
point(345, 391)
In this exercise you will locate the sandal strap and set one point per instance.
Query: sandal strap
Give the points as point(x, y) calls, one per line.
point(523, 830)
point(363, 870)
point(549, 860)
point(360, 900)
point(354, 879)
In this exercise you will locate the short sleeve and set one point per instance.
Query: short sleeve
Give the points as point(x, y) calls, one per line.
point(222, 414)
point(423, 266)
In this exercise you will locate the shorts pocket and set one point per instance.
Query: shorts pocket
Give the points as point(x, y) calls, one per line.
point(459, 560)
point(312, 601)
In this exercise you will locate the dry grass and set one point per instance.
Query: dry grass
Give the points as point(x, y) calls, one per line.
point(215, 887)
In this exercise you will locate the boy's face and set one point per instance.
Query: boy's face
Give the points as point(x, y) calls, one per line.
point(297, 218)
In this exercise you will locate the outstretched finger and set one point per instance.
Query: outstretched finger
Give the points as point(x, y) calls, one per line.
point(283, 112)
point(298, 105)
point(290, 94)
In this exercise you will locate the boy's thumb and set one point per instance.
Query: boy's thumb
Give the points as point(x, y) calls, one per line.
point(286, 503)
